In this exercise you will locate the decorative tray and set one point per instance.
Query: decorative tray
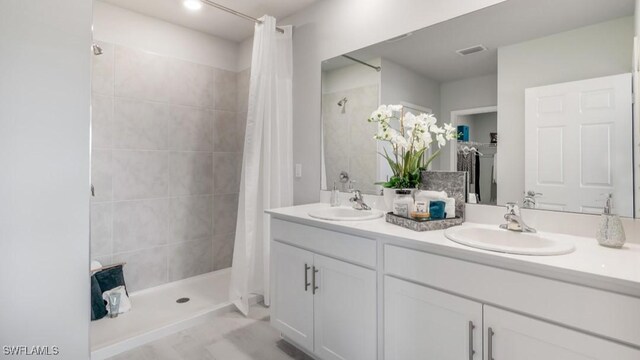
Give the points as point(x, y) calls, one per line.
point(423, 224)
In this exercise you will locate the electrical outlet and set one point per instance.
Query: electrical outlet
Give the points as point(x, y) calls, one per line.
point(298, 170)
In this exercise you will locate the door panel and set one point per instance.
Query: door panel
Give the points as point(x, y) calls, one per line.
point(422, 323)
point(578, 144)
point(344, 310)
point(517, 337)
point(292, 299)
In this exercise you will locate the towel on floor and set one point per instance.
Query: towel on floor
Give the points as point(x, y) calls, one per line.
point(110, 278)
point(125, 303)
point(98, 310)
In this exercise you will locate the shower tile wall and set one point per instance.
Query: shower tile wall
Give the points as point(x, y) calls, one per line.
point(167, 137)
point(348, 137)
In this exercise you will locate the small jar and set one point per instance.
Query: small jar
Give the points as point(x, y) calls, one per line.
point(422, 202)
point(403, 204)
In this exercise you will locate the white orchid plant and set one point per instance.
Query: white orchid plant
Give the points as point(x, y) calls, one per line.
point(410, 140)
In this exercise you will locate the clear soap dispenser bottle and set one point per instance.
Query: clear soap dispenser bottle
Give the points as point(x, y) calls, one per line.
point(610, 231)
point(335, 196)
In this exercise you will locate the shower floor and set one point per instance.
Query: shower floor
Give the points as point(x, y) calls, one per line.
point(155, 313)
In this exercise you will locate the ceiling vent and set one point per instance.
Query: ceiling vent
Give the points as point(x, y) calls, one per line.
point(471, 50)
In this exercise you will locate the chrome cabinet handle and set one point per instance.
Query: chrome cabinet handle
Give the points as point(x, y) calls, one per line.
point(306, 276)
point(490, 344)
point(313, 281)
point(471, 351)
point(93, 190)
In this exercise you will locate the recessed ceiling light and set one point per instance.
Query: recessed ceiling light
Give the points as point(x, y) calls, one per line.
point(192, 4)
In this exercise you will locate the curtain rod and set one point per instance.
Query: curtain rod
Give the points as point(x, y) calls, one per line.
point(377, 68)
point(237, 13)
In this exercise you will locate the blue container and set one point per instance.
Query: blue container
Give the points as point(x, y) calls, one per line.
point(436, 208)
point(463, 133)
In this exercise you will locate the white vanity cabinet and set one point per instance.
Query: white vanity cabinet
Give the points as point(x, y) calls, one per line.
point(292, 300)
point(344, 310)
point(346, 295)
point(422, 323)
point(325, 305)
point(516, 337)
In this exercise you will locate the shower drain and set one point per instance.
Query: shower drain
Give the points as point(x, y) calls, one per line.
point(182, 300)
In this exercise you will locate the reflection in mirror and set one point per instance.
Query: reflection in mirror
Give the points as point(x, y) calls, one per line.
point(540, 90)
point(349, 94)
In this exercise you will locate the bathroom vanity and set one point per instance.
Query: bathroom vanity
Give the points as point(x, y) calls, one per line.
point(555, 137)
point(373, 290)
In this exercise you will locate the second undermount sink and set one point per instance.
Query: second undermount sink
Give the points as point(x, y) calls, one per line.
point(493, 238)
point(345, 214)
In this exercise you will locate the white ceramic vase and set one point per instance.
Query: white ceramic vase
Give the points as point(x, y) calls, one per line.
point(389, 194)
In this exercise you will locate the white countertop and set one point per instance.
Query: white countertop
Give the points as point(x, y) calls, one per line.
point(590, 264)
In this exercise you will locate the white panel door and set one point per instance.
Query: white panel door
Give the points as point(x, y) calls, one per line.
point(509, 336)
point(292, 297)
point(578, 144)
point(422, 323)
point(344, 310)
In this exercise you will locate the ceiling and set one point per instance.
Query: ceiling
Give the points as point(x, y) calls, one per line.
point(213, 21)
point(431, 51)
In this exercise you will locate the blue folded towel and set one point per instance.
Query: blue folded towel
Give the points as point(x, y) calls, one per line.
point(436, 208)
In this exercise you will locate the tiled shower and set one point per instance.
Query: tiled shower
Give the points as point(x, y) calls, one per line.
point(167, 139)
point(346, 127)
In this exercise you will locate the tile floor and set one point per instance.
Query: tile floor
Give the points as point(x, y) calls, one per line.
point(230, 336)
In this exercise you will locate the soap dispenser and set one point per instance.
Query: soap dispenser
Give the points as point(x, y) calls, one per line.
point(335, 196)
point(610, 231)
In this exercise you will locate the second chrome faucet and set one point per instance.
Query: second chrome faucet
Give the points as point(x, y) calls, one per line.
point(514, 220)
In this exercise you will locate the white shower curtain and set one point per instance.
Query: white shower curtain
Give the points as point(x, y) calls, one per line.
point(267, 174)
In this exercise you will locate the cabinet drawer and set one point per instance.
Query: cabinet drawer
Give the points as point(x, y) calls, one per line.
point(599, 312)
point(354, 249)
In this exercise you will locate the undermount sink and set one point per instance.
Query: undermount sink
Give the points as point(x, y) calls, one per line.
point(493, 238)
point(345, 214)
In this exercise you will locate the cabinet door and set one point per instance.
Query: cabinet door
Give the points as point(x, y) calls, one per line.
point(422, 323)
point(292, 298)
point(510, 336)
point(344, 310)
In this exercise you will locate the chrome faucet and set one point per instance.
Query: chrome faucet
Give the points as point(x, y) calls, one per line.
point(357, 202)
point(529, 201)
point(514, 220)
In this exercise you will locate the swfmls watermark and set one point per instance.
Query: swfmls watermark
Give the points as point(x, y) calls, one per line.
point(35, 350)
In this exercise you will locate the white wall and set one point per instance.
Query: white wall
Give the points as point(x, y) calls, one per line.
point(636, 111)
point(44, 186)
point(483, 125)
point(328, 29)
point(593, 51)
point(119, 26)
point(400, 84)
point(350, 77)
point(470, 93)
point(244, 54)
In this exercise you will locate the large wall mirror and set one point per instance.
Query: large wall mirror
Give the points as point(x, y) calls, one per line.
point(544, 88)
